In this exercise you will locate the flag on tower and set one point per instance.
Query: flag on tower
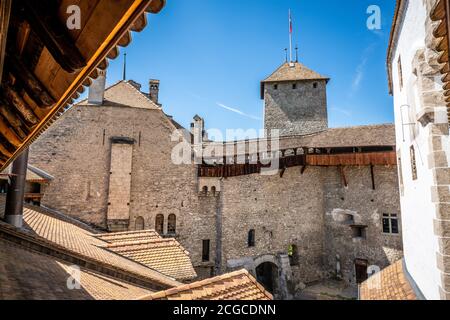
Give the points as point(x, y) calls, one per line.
point(290, 22)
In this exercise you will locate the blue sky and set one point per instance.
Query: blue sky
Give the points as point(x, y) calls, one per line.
point(211, 55)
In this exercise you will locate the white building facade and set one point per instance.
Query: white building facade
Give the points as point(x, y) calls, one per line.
point(423, 147)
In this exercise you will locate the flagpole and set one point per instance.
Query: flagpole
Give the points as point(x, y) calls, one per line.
point(290, 37)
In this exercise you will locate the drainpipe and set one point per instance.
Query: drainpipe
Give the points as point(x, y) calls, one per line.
point(16, 191)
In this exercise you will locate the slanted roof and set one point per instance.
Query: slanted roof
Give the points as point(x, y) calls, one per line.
point(72, 240)
point(239, 285)
point(125, 94)
point(46, 278)
point(33, 175)
point(294, 71)
point(165, 255)
point(389, 284)
point(128, 236)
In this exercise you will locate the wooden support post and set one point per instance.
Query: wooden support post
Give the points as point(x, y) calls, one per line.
point(372, 174)
point(344, 178)
point(302, 171)
point(16, 191)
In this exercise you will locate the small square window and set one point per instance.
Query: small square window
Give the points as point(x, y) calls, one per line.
point(275, 87)
point(359, 232)
point(315, 85)
point(294, 86)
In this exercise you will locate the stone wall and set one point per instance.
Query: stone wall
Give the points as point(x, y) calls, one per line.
point(366, 207)
point(298, 111)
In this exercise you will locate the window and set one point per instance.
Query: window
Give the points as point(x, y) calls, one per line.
point(251, 238)
point(293, 255)
point(213, 190)
point(413, 163)
point(275, 87)
point(315, 85)
point(205, 251)
point(400, 72)
point(390, 223)
point(159, 224)
point(140, 225)
point(205, 190)
point(294, 86)
point(359, 232)
point(172, 224)
point(400, 173)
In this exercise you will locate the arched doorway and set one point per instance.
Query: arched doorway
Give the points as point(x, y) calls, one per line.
point(267, 275)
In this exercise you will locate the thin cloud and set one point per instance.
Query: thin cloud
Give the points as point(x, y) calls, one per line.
point(237, 111)
point(343, 111)
point(360, 70)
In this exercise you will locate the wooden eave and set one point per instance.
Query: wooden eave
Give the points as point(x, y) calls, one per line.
point(47, 65)
point(440, 13)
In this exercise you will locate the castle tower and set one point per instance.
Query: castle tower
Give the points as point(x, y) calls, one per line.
point(295, 100)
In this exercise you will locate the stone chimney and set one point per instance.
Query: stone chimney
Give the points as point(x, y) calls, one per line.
point(198, 130)
point(154, 90)
point(97, 89)
point(135, 84)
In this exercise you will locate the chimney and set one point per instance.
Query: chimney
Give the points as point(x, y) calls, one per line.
point(135, 84)
point(97, 89)
point(154, 90)
point(198, 130)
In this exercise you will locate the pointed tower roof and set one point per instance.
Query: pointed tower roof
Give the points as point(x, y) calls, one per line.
point(294, 71)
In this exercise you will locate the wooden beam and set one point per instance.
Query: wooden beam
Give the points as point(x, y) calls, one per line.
point(5, 11)
point(302, 171)
point(43, 19)
point(344, 178)
point(16, 100)
point(13, 120)
point(372, 174)
point(9, 134)
point(35, 89)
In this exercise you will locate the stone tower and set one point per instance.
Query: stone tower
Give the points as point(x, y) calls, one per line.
point(295, 100)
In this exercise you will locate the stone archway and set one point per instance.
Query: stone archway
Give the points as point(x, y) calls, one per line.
point(267, 275)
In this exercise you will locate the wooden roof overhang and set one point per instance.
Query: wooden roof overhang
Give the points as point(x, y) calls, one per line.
point(441, 13)
point(44, 65)
point(322, 157)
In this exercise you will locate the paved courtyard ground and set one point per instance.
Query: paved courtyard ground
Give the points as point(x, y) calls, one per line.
point(329, 290)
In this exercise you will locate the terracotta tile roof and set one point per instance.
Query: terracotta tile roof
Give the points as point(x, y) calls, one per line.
point(389, 284)
point(293, 73)
point(119, 237)
point(357, 136)
point(165, 255)
point(71, 239)
point(27, 275)
point(239, 285)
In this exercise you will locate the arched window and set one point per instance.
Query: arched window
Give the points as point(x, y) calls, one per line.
point(140, 224)
point(293, 255)
point(213, 190)
point(172, 224)
point(205, 189)
point(251, 238)
point(159, 224)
